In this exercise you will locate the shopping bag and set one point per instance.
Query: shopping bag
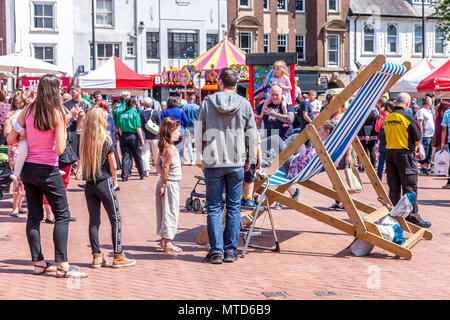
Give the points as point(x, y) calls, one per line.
point(351, 179)
point(441, 163)
point(420, 152)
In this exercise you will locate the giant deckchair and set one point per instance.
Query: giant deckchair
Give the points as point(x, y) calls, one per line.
point(371, 84)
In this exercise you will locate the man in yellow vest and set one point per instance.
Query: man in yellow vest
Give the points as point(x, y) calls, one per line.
point(402, 136)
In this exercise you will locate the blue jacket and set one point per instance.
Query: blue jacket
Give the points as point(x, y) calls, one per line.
point(176, 113)
point(191, 111)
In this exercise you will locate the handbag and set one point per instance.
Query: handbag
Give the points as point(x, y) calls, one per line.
point(68, 157)
point(420, 152)
point(351, 179)
point(152, 127)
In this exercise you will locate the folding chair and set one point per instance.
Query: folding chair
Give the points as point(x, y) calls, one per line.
point(376, 79)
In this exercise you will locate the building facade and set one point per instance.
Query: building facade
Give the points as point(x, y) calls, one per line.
point(174, 32)
point(394, 28)
point(315, 29)
point(44, 30)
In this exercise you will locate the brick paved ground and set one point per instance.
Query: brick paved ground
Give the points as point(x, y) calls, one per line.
point(313, 257)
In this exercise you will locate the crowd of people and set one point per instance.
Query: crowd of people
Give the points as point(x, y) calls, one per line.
point(51, 135)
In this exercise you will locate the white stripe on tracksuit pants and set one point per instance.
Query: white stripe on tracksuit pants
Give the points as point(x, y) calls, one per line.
point(96, 194)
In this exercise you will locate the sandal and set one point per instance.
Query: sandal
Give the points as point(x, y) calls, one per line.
point(72, 272)
point(46, 269)
point(172, 249)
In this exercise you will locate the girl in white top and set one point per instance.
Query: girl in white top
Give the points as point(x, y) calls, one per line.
point(168, 165)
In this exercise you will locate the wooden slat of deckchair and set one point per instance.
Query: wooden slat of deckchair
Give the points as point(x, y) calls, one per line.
point(333, 195)
point(336, 180)
point(414, 239)
point(326, 114)
point(377, 215)
point(370, 236)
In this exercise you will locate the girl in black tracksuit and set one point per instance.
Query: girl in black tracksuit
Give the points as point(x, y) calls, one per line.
point(99, 165)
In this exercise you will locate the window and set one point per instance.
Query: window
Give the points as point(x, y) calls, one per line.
point(183, 45)
point(282, 43)
point(105, 51)
point(130, 48)
point(333, 6)
point(266, 4)
point(439, 38)
point(369, 38)
point(104, 13)
point(282, 5)
point(418, 43)
point(266, 43)
point(333, 50)
point(152, 45)
point(420, 1)
point(211, 40)
point(245, 41)
point(45, 52)
point(44, 16)
point(391, 38)
point(244, 3)
point(300, 5)
point(300, 47)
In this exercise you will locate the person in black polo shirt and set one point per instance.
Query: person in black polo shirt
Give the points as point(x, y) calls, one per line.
point(402, 136)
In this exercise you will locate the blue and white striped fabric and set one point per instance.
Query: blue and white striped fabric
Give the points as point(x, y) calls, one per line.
point(355, 116)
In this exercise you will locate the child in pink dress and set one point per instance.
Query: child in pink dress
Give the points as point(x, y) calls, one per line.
point(281, 78)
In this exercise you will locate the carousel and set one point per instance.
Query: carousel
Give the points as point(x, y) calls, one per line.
point(201, 74)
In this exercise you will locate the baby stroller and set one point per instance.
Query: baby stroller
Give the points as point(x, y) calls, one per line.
point(197, 201)
point(5, 171)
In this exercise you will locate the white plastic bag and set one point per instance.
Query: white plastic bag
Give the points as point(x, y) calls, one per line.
point(403, 207)
point(387, 231)
point(361, 248)
point(441, 163)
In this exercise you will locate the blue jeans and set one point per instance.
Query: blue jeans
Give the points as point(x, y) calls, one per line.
point(426, 142)
point(381, 160)
point(224, 241)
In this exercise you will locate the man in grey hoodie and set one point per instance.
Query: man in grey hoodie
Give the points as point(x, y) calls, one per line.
point(226, 136)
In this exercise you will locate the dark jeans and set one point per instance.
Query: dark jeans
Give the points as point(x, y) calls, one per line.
point(224, 241)
point(402, 175)
point(381, 160)
point(369, 147)
point(426, 142)
point(40, 180)
point(98, 193)
point(130, 147)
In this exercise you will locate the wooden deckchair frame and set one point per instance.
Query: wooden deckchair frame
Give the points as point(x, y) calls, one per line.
point(362, 228)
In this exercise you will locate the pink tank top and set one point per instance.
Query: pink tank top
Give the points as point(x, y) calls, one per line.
point(41, 144)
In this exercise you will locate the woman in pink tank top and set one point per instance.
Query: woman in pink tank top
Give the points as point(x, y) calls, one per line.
point(45, 124)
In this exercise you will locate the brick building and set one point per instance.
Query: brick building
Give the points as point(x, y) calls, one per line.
point(315, 29)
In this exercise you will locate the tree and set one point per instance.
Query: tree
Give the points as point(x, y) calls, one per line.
point(442, 13)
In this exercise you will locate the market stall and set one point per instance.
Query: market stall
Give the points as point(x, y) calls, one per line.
point(410, 81)
point(114, 76)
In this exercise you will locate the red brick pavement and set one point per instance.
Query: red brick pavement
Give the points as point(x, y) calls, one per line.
point(313, 257)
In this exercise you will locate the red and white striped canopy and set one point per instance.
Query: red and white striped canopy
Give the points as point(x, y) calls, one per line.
point(114, 74)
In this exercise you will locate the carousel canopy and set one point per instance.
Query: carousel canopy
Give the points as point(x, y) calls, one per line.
point(114, 74)
point(222, 55)
point(410, 81)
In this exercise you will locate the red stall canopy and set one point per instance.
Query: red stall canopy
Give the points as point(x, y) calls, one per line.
point(439, 80)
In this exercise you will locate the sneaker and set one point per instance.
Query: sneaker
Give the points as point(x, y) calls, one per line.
point(447, 186)
point(73, 219)
point(121, 261)
point(278, 206)
point(230, 257)
point(417, 220)
point(98, 260)
point(214, 258)
point(15, 214)
point(193, 163)
point(340, 207)
point(334, 206)
point(249, 203)
point(296, 195)
point(242, 202)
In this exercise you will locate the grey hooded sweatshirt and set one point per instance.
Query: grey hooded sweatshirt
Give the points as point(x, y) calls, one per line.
point(225, 131)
